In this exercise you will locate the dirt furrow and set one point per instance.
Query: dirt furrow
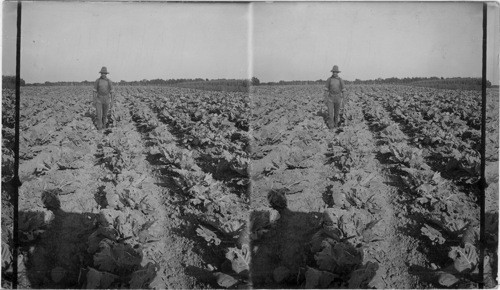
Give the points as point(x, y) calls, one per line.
point(170, 249)
point(400, 230)
point(308, 173)
point(202, 178)
point(210, 221)
point(433, 213)
point(288, 194)
point(385, 243)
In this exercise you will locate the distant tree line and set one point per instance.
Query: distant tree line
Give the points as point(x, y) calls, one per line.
point(453, 84)
point(144, 82)
point(434, 82)
point(228, 85)
point(82, 83)
point(9, 82)
point(426, 81)
point(242, 85)
point(160, 82)
point(280, 83)
point(222, 85)
point(394, 80)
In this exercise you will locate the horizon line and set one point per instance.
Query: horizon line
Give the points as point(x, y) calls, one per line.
point(247, 79)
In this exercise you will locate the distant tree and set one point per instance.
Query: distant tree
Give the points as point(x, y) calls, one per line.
point(255, 81)
point(10, 82)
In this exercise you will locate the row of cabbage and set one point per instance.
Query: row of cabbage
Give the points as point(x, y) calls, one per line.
point(451, 141)
point(352, 230)
point(291, 141)
point(196, 157)
point(432, 103)
point(128, 218)
point(45, 112)
point(49, 143)
point(8, 122)
point(57, 135)
point(450, 215)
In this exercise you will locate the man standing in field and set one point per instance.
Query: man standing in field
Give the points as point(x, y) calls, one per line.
point(334, 95)
point(102, 98)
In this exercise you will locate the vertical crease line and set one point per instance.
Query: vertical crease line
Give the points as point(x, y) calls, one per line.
point(483, 154)
point(250, 129)
point(16, 183)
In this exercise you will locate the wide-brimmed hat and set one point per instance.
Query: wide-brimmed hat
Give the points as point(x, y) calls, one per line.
point(104, 70)
point(335, 69)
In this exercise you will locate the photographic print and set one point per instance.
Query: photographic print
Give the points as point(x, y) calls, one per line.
point(366, 145)
point(183, 145)
point(133, 145)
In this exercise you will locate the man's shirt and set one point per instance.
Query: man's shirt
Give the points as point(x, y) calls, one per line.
point(103, 86)
point(335, 85)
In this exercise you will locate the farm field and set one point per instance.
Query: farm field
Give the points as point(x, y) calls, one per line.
point(200, 189)
point(387, 201)
point(158, 201)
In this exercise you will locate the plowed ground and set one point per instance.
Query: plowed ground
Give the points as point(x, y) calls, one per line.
point(112, 209)
point(162, 198)
point(340, 208)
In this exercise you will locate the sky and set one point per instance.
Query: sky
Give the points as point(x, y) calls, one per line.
point(135, 41)
point(302, 41)
point(272, 41)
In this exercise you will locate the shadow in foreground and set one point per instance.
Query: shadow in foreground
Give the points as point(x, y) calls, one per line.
point(293, 249)
point(75, 250)
point(54, 246)
point(285, 244)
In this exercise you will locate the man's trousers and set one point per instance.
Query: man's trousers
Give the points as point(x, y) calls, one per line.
point(333, 103)
point(102, 105)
